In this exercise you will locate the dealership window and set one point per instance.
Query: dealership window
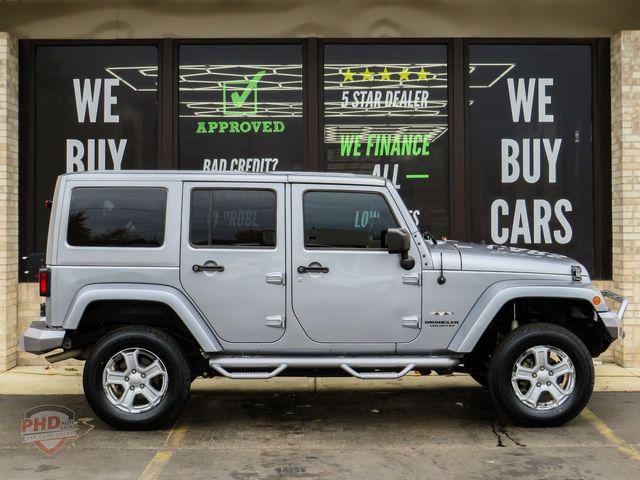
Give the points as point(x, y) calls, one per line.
point(501, 141)
point(90, 107)
point(531, 147)
point(386, 112)
point(240, 107)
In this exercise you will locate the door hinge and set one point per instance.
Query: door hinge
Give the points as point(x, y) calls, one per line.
point(411, 322)
point(276, 321)
point(275, 278)
point(411, 279)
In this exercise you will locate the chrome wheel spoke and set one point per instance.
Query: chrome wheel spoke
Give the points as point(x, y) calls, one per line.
point(131, 360)
point(523, 373)
point(127, 398)
point(151, 394)
point(557, 392)
point(114, 377)
point(541, 355)
point(153, 369)
point(562, 368)
point(533, 394)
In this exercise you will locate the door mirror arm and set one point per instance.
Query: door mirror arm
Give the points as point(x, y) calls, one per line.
point(407, 261)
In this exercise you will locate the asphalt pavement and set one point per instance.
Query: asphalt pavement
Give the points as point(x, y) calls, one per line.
point(443, 433)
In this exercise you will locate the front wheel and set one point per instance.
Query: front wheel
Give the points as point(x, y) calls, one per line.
point(541, 375)
point(137, 378)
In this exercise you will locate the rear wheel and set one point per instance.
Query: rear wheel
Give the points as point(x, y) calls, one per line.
point(541, 375)
point(137, 378)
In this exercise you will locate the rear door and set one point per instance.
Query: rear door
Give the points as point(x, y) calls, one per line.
point(233, 257)
point(347, 287)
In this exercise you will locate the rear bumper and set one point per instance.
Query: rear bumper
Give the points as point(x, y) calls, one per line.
point(613, 319)
point(39, 338)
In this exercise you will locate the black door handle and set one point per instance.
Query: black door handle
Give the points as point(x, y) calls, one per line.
point(208, 268)
point(318, 269)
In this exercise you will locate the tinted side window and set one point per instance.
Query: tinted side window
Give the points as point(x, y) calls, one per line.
point(240, 218)
point(346, 220)
point(117, 217)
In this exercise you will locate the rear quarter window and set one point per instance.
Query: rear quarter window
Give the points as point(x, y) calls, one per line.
point(117, 217)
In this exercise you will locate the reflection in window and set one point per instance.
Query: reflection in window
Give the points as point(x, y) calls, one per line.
point(240, 218)
point(117, 217)
point(346, 220)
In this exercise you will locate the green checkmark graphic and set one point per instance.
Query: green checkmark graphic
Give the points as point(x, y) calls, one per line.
point(238, 98)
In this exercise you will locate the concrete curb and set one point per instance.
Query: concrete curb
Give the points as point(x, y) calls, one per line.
point(68, 381)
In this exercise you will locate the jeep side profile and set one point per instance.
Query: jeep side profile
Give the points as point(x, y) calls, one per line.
point(156, 278)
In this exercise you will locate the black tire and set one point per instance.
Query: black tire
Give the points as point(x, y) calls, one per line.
point(507, 354)
point(481, 379)
point(161, 345)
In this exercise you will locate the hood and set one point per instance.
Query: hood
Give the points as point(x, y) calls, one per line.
point(501, 258)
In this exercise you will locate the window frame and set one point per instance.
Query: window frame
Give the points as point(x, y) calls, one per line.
point(333, 248)
point(67, 215)
point(235, 247)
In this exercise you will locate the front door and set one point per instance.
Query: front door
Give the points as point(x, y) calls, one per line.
point(346, 286)
point(233, 257)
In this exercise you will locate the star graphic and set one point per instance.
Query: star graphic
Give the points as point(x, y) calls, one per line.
point(385, 75)
point(348, 76)
point(404, 74)
point(422, 75)
point(367, 75)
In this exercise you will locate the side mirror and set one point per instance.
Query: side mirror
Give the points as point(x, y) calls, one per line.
point(398, 240)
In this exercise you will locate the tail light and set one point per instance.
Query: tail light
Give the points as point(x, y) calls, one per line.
point(44, 280)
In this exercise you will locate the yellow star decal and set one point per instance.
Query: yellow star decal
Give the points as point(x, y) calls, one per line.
point(348, 76)
point(385, 75)
point(367, 75)
point(422, 75)
point(404, 74)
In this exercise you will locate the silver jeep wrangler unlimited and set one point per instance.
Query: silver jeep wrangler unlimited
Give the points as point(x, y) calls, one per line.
point(156, 278)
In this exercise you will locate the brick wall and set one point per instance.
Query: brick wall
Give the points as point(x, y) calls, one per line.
point(625, 158)
point(8, 200)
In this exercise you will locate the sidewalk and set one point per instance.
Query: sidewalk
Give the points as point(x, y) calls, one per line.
point(55, 380)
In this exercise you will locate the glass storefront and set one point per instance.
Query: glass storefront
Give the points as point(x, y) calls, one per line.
point(487, 141)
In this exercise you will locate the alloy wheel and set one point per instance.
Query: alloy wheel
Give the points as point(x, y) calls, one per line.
point(135, 380)
point(543, 377)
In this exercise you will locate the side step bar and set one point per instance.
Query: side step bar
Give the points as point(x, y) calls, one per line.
point(223, 371)
point(377, 375)
point(269, 367)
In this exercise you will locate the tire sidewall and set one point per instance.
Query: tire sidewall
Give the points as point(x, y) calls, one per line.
point(177, 389)
point(502, 389)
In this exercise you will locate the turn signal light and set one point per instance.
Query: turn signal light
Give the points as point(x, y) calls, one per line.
point(44, 280)
point(597, 301)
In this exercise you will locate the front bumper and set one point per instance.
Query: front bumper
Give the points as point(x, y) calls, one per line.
point(613, 320)
point(39, 338)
